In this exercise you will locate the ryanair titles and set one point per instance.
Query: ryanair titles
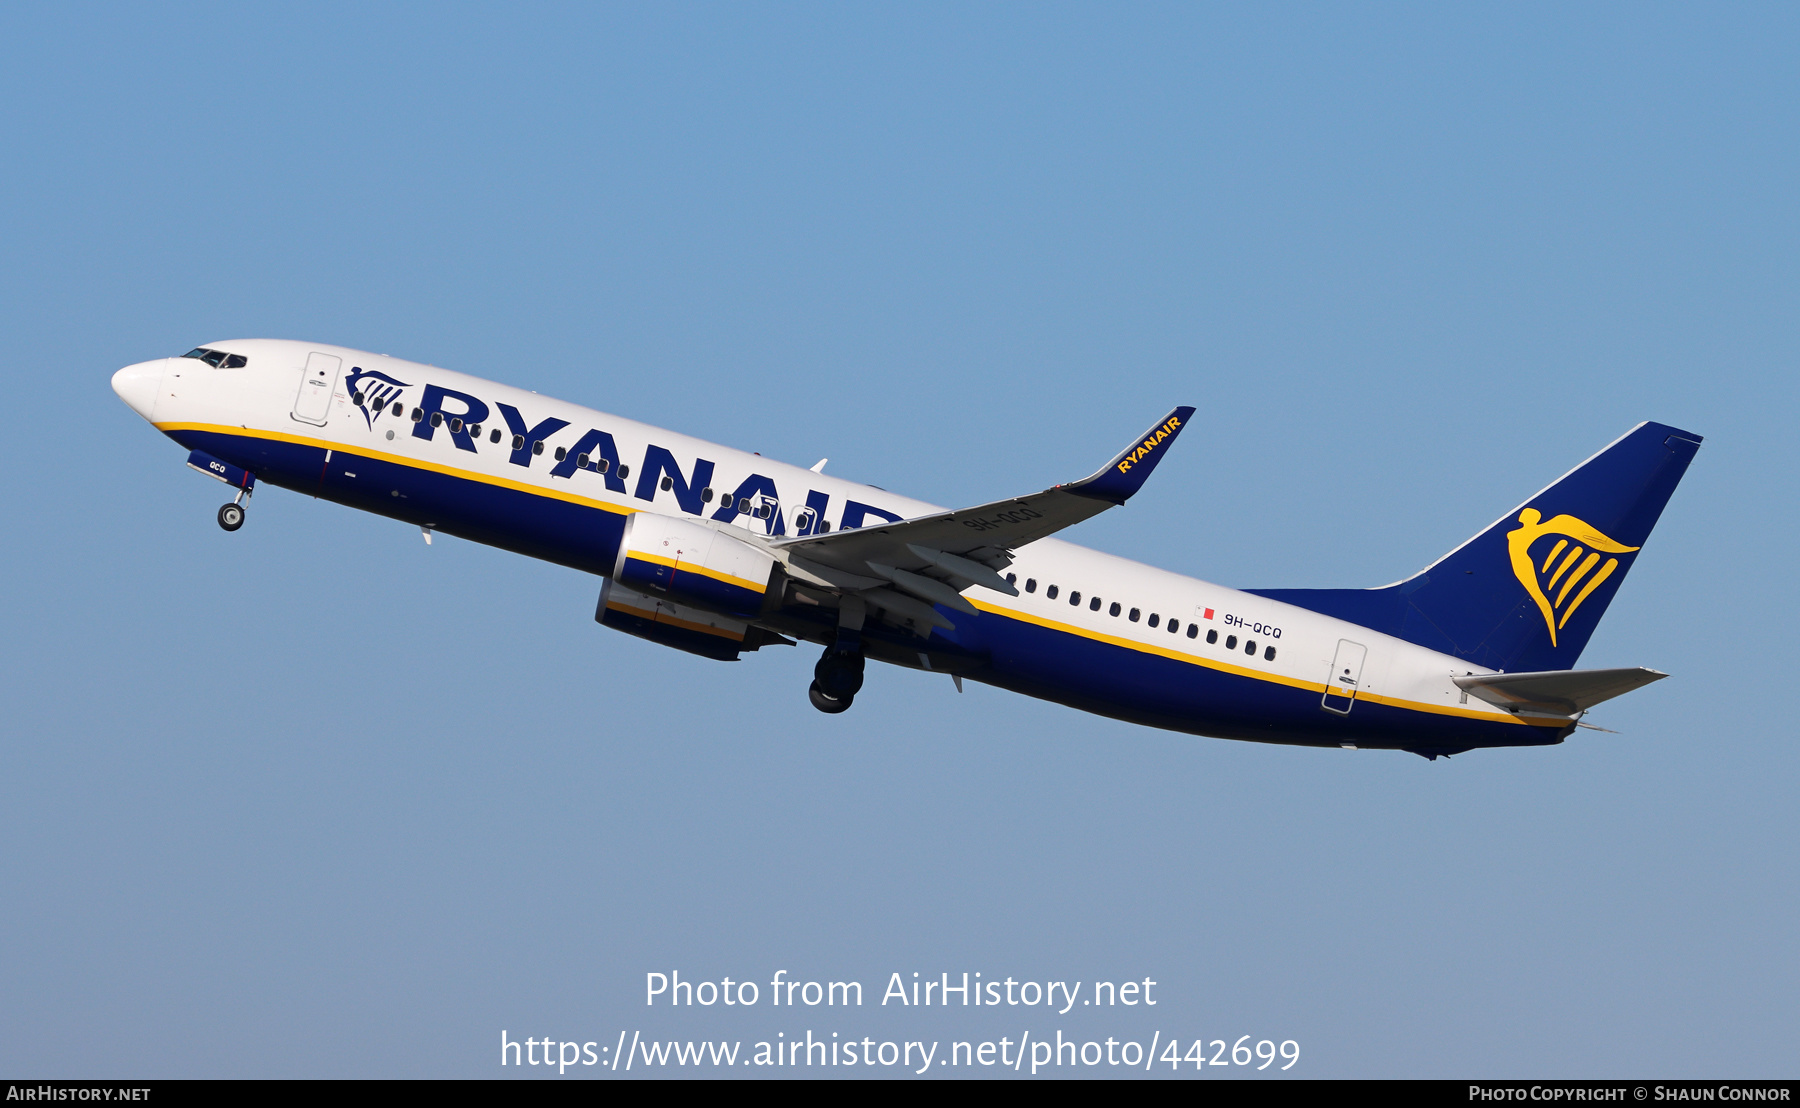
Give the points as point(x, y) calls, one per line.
point(1149, 445)
point(469, 420)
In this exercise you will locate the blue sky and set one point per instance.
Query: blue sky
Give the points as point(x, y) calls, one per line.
point(313, 799)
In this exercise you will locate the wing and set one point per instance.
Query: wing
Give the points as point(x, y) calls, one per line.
point(933, 558)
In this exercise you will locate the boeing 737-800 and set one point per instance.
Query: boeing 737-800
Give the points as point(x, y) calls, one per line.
point(720, 552)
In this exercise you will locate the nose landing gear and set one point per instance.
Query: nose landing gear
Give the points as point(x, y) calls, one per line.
point(231, 516)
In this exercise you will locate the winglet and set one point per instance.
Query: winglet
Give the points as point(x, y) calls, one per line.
point(1126, 474)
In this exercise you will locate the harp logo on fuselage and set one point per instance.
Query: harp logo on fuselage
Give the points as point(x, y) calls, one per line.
point(372, 392)
point(1567, 568)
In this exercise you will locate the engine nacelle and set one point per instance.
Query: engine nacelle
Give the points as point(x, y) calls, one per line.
point(663, 621)
point(693, 566)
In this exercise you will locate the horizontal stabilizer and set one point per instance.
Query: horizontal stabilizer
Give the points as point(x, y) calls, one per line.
point(1562, 691)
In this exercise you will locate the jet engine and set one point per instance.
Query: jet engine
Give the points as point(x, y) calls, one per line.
point(694, 566)
point(663, 621)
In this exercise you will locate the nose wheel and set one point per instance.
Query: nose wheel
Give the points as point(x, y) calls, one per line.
point(231, 516)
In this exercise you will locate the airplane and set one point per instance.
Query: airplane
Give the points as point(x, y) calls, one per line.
point(719, 552)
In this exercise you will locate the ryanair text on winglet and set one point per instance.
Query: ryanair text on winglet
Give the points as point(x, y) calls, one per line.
point(1150, 443)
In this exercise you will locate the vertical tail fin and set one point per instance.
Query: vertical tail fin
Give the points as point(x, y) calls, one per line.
point(1526, 593)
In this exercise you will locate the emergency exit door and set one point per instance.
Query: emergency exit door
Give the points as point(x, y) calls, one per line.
point(1345, 679)
point(313, 403)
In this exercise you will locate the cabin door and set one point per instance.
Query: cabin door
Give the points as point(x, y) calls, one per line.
point(313, 403)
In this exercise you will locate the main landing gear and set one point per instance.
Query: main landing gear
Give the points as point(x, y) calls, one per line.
point(836, 679)
point(839, 674)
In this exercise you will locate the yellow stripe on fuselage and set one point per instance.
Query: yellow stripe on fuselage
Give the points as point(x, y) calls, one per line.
point(398, 459)
point(1096, 636)
point(1256, 674)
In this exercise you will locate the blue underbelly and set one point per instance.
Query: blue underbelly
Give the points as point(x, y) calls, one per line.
point(575, 535)
point(1088, 674)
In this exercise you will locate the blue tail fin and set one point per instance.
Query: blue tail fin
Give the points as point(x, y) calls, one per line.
point(1526, 593)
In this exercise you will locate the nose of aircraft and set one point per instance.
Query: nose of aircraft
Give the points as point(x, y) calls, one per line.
point(137, 385)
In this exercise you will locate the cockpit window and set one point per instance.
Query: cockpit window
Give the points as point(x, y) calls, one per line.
point(218, 359)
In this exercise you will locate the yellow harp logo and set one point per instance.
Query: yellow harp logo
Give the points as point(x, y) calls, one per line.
point(1563, 565)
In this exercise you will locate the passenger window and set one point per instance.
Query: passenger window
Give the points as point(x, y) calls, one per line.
point(1153, 618)
point(1094, 604)
point(667, 482)
point(1050, 592)
point(537, 447)
point(518, 442)
point(1193, 630)
point(494, 435)
point(437, 419)
point(417, 415)
point(765, 511)
point(1212, 637)
point(398, 408)
point(603, 465)
point(1230, 642)
point(561, 453)
point(624, 471)
point(706, 496)
point(1250, 647)
point(824, 526)
point(581, 461)
point(1268, 654)
point(1012, 578)
point(1114, 609)
point(1075, 599)
point(1174, 626)
point(1134, 615)
point(1030, 584)
point(356, 398)
point(455, 426)
point(474, 430)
